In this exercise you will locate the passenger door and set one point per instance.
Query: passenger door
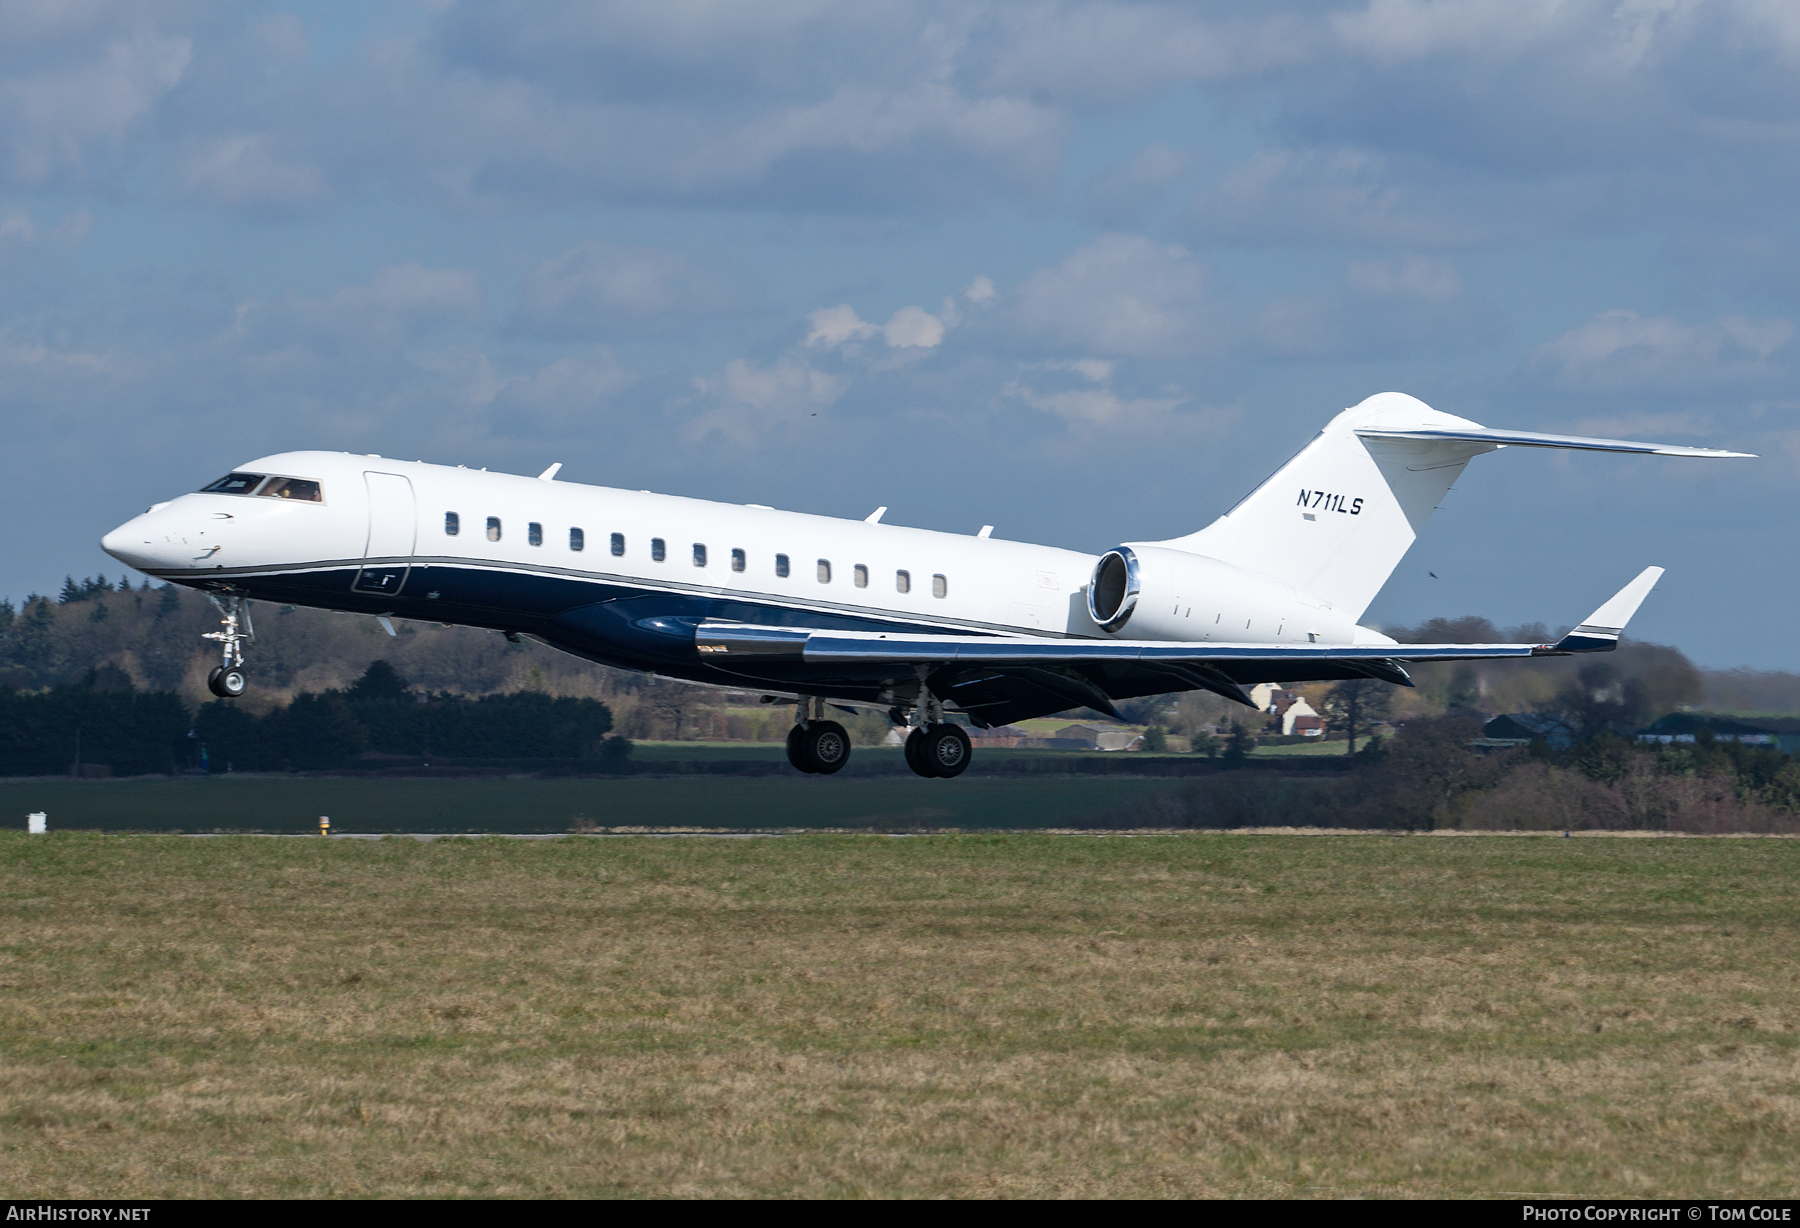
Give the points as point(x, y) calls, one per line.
point(393, 526)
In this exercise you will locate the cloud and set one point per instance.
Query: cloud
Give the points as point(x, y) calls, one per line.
point(1620, 350)
point(907, 328)
point(840, 325)
point(596, 289)
point(1357, 196)
point(1120, 295)
point(913, 326)
point(395, 306)
point(1382, 309)
point(749, 401)
point(19, 227)
point(565, 395)
point(59, 119)
point(1094, 406)
point(1126, 192)
point(245, 172)
point(1108, 53)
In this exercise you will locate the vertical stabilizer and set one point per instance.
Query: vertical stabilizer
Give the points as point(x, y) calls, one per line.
point(1336, 520)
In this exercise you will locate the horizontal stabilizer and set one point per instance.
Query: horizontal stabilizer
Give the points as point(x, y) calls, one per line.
point(1534, 439)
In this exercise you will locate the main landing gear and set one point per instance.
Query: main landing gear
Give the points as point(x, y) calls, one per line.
point(942, 750)
point(227, 679)
point(815, 744)
point(935, 748)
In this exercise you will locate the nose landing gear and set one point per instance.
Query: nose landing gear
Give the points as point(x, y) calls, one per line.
point(227, 679)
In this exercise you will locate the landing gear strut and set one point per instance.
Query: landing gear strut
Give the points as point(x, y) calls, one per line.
point(227, 679)
point(935, 747)
point(814, 744)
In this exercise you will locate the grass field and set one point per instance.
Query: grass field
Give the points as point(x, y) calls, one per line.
point(973, 1015)
point(498, 804)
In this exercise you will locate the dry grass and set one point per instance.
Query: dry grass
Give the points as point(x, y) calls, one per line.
point(842, 1015)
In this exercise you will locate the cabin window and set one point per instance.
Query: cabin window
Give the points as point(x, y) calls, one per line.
point(452, 524)
point(903, 581)
point(781, 565)
point(618, 545)
point(699, 554)
point(233, 484)
point(737, 560)
point(301, 490)
point(658, 551)
point(534, 533)
point(577, 540)
point(860, 575)
point(940, 587)
point(493, 528)
point(824, 571)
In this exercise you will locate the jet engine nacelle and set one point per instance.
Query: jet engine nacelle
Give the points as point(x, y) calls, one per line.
point(1150, 592)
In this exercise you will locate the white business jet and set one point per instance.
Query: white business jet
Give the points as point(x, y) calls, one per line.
point(859, 612)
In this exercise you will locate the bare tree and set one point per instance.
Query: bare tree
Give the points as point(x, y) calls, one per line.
point(1355, 707)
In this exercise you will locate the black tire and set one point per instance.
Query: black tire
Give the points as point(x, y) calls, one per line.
point(796, 750)
point(227, 683)
point(915, 756)
point(828, 746)
point(946, 750)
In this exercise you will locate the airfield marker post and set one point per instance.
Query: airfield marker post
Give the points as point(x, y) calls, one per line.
point(324, 825)
point(37, 823)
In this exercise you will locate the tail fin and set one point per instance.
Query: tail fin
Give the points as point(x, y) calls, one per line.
point(1337, 519)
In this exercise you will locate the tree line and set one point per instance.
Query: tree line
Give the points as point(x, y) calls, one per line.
point(1436, 776)
point(105, 726)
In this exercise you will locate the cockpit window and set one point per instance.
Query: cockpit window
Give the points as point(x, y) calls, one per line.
point(233, 484)
point(303, 489)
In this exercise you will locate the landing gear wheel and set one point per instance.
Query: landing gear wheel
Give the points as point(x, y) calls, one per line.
point(946, 750)
point(796, 750)
point(226, 683)
point(914, 760)
point(227, 679)
point(827, 745)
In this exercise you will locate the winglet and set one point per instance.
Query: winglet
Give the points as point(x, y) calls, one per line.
point(1600, 632)
point(549, 475)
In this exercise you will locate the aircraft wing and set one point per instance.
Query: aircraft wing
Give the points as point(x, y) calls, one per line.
point(1094, 671)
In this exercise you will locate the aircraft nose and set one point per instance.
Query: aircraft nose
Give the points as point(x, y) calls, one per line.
point(132, 544)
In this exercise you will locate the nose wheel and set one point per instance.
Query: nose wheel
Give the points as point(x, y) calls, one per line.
point(227, 679)
point(227, 683)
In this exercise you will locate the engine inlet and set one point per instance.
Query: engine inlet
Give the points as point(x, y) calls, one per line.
point(1113, 590)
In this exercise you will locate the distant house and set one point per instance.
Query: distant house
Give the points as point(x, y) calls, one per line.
point(1678, 727)
point(1307, 724)
point(1003, 736)
point(1093, 737)
point(1524, 728)
point(1291, 713)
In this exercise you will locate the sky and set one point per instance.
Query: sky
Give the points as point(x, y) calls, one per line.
point(1087, 272)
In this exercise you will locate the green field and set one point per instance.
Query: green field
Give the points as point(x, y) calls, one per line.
point(973, 1015)
point(499, 804)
